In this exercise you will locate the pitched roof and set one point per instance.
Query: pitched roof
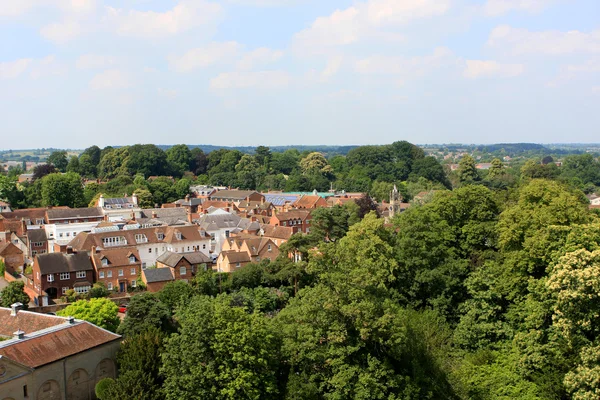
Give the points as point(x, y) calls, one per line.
point(118, 200)
point(56, 343)
point(52, 263)
point(154, 275)
point(307, 201)
point(236, 256)
point(37, 235)
point(27, 321)
point(280, 199)
point(293, 214)
point(9, 248)
point(74, 213)
point(219, 221)
point(172, 259)
point(232, 194)
point(28, 213)
point(117, 257)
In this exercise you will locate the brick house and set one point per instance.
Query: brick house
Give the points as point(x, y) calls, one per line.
point(12, 257)
point(37, 241)
point(232, 260)
point(236, 196)
point(184, 266)
point(117, 269)
point(258, 248)
point(156, 278)
point(278, 234)
point(309, 202)
point(55, 273)
point(299, 220)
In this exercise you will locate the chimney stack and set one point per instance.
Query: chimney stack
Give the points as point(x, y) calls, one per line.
point(15, 309)
point(69, 249)
point(19, 334)
point(70, 320)
point(154, 214)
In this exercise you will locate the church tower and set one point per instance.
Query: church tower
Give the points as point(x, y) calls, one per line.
point(395, 200)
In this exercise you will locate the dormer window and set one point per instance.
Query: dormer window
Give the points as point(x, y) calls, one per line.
point(104, 262)
point(178, 235)
point(160, 236)
point(132, 259)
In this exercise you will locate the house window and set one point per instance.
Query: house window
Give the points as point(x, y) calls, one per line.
point(82, 289)
point(132, 271)
point(101, 274)
point(42, 252)
point(105, 262)
point(120, 272)
point(257, 259)
point(68, 234)
point(34, 252)
point(182, 270)
point(133, 283)
point(64, 276)
point(283, 223)
point(109, 286)
point(132, 259)
point(64, 289)
point(188, 248)
point(51, 278)
point(80, 274)
point(238, 265)
point(37, 244)
point(143, 265)
point(227, 234)
point(150, 251)
point(178, 234)
point(141, 238)
point(39, 221)
point(203, 247)
point(109, 274)
point(60, 235)
point(269, 247)
point(160, 236)
point(212, 237)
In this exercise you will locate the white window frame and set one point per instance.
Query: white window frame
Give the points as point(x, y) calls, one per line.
point(80, 274)
point(101, 274)
point(133, 283)
point(65, 276)
point(121, 273)
point(64, 289)
point(109, 274)
point(182, 270)
point(50, 277)
point(133, 271)
point(109, 286)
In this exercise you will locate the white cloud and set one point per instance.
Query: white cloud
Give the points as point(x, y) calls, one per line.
point(365, 20)
point(61, 32)
point(519, 41)
point(10, 8)
point(13, 69)
point(249, 79)
point(94, 61)
point(185, 15)
point(259, 57)
point(382, 12)
point(491, 69)
point(494, 8)
point(14, 8)
point(333, 66)
point(203, 56)
point(48, 66)
point(397, 65)
point(110, 79)
point(168, 93)
point(575, 71)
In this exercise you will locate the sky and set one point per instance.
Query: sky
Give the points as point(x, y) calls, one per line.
point(74, 73)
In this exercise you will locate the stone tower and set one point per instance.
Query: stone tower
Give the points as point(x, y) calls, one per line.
point(395, 200)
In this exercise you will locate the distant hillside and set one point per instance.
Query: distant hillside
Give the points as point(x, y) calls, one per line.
point(327, 150)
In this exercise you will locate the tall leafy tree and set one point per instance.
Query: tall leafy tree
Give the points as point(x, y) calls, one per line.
point(14, 293)
point(59, 160)
point(179, 158)
point(101, 312)
point(62, 190)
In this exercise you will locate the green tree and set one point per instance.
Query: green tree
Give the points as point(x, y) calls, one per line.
point(179, 158)
point(145, 199)
point(496, 169)
point(59, 160)
point(101, 312)
point(263, 156)
point(14, 293)
point(174, 294)
point(73, 165)
point(467, 170)
point(221, 352)
point(144, 312)
point(329, 224)
point(62, 190)
point(146, 159)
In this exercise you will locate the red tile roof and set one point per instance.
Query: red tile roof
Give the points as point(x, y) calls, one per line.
point(27, 321)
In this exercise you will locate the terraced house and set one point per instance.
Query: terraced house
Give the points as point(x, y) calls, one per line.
point(117, 269)
point(150, 243)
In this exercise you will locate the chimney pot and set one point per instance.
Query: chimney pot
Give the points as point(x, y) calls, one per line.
point(71, 320)
point(19, 334)
point(15, 308)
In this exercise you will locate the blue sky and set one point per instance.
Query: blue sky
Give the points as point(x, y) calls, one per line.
point(248, 72)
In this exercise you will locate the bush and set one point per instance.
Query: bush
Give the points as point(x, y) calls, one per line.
point(98, 290)
point(102, 387)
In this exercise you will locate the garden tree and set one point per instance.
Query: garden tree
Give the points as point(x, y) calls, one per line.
point(430, 169)
point(366, 205)
point(297, 247)
point(467, 170)
point(287, 271)
point(206, 283)
point(285, 162)
point(582, 168)
point(98, 290)
point(62, 190)
point(263, 156)
point(59, 160)
point(344, 338)
point(144, 312)
point(41, 170)
point(86, 166)
point(7, 186)
point(113, 162)
point(139, 362)
point(163, 190)
point(315, 163)
point(584, 382)
point(101, 312)
point(182, 187)
point(496, 169)
point(14, 293)
point(247, 172)
point(175, 293)
point(144, 198)
point(146, 159)
point(199, 161)
point(73, 165)
point(179, 158)
point(251, 276)
point(535, 170)
point(262, 299)
point(221, 352)
point(329, 224)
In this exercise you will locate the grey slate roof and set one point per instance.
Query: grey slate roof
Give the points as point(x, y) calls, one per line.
point(37, 235)
point(53, 263)
point(81, 213)
point(172, 259)
point(153, 275)
point(232, 194)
